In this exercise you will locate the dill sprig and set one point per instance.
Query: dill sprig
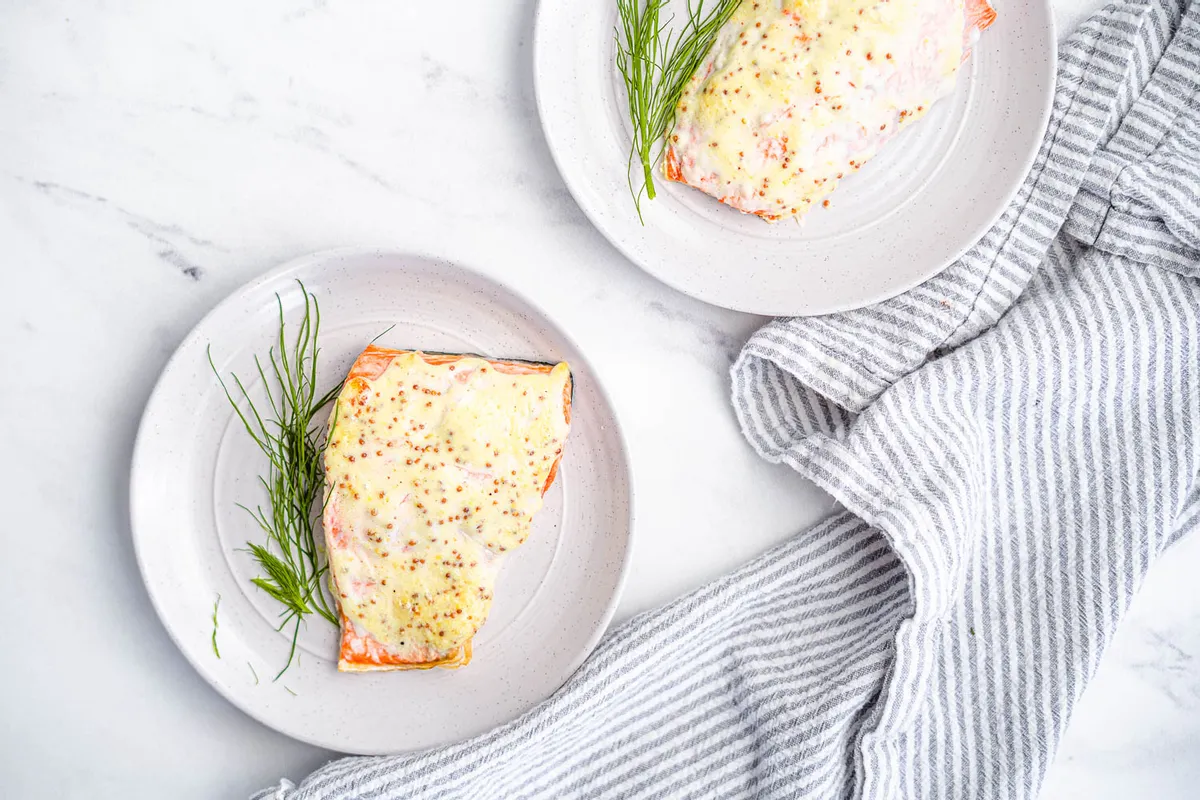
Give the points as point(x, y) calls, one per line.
point(293, 441)
point(216, 605)
point(656, 65)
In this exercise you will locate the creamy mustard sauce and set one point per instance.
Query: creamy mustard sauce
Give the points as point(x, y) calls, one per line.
point(436, 471)
point(797, 94)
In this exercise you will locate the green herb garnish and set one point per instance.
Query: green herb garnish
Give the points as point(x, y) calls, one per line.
point(216, 605)
point(252, 672)
point(294, 441)
point(656, 68)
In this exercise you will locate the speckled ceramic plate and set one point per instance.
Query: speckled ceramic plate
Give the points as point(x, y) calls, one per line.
point(193, 463)
point(915, 208)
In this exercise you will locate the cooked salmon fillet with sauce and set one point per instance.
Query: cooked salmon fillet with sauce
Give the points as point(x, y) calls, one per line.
point(797, 94)
point(436, 465)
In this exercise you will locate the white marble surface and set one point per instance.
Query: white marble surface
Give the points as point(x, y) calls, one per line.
point(154, 156)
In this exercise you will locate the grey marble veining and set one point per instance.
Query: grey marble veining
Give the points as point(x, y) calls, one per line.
point(153, 157)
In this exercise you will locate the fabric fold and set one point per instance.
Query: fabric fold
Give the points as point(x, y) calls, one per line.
point(1138, 198)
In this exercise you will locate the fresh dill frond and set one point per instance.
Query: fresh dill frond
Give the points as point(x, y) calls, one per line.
point(383, 333)
point(216, 605)
point(252, 672)
point(293, 694)
point(655, 65)
point(293, 439)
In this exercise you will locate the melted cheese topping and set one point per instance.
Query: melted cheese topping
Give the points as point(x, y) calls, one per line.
point(796, 94)
point(435, 470)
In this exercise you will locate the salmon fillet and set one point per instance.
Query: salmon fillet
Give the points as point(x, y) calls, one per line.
point(435, 467)
point(797, 94)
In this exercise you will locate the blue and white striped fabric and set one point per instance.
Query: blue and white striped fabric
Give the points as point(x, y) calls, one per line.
point(1015, 442)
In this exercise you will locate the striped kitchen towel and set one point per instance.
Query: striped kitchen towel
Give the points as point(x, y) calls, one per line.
point(1015, 442)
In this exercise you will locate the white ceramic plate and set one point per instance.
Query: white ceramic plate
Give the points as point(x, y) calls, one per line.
point(915, 208)
point(193, 462)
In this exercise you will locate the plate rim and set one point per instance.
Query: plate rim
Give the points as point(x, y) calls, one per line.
point(976, 234)
point(279, 273)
